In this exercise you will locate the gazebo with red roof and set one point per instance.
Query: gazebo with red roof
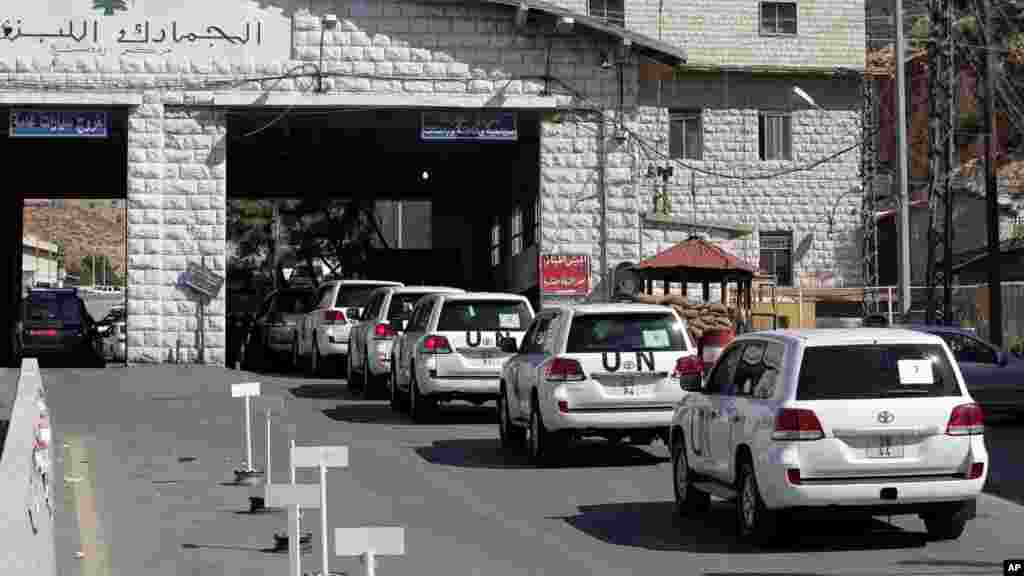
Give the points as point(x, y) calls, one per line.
point(698, 261)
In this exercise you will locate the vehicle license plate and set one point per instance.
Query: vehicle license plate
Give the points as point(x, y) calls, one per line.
point(628, 388)
point(886, 447)
point(491, 362)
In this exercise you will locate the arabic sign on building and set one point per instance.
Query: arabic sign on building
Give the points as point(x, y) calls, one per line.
point(565, 275)
point(193, 28)
point(58, 124)
point(469, 125)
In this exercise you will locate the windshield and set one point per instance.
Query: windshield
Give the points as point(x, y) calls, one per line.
point(292, 302)
point(463, 315)
point(626, 333)
point(44, 307)
point(875, 371)
point(402, 304)
point(355, 296)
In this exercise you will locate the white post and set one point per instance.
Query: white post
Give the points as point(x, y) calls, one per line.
point(269, 413)
point(248, 435)
point(371, 561)
point(294, 551)
point(291, 460)
point(323, 515)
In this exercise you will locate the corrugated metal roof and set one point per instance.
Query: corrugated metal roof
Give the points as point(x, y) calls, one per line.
point(698, 254)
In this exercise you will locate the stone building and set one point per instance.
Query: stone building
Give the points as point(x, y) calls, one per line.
point(179, 108)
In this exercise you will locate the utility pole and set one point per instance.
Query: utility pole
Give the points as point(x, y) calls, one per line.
point(940, 153)
point(275, 232)
point(995, 296)
point(902, 151)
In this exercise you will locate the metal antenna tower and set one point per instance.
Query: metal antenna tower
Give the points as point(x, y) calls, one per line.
point(941, 148)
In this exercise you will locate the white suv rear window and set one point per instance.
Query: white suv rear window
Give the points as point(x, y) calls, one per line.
point(483, 315)
point(874, 371)
point(626, 332)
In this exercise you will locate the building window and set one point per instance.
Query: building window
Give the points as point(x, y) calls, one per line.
point(778, 18)
point(495, 243)
point(611, 11)
point(517, 231)
point(777, 256)
point(775, 131)
point(686, 135)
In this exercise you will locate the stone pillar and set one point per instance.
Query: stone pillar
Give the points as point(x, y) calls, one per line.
point(145, 231)
point(177, 215)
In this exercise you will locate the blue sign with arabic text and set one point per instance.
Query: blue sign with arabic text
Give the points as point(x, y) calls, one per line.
point(59, 124)
point(468, 125)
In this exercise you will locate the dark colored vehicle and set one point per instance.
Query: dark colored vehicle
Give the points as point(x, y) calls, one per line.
point(273, 329)
point(994, 378)
point(54, 323)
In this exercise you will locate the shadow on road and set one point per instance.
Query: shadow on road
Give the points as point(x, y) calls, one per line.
point(1004, 437)
point(50, 362)
point(237, 548)
point(487, 453)
point(655, 526)
point(986, 567)
point(371, 412)
point(324, 392)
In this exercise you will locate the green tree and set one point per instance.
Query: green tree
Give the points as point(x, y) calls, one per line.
point(103, 272)
point(109, 7)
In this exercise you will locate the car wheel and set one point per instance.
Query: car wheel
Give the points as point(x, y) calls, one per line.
point(296, 361)
point(396, 402)
point(512, 436)
point(947, 523)
point(350, 374)
point(689, 500)
point(420, 407)
point(537, 437)
point(752, 518)
point(368, 381)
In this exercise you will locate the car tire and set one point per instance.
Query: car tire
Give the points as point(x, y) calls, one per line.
point(946, 523)
point(689, 500)
point(512, 436)
point(753, 520)
point(541, 443)
point(368, 381)
point(421, 408)
point(396, 400)
point(350, 374)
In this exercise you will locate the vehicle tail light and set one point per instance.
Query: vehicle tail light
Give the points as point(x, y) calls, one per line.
point(334, 317)
point(689, 371)
point(966, 420)
point(382, 331)
point(977, 469)
point(437, 345)
point(797, 424)
point(793, 475)
point(565, 370)
point(563, 406)
point(43, 332)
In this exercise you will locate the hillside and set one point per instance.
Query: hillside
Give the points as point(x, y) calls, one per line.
point(84, 227)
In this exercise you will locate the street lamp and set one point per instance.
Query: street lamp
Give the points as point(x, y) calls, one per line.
point(806, 97)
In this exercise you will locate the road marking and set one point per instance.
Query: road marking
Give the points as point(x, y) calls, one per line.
point(80, 461)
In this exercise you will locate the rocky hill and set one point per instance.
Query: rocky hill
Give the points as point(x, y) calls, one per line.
point(84, 227)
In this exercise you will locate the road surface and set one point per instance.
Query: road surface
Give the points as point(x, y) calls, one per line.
point(151, 446)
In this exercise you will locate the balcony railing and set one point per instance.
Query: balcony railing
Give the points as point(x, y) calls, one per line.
point(611, 17)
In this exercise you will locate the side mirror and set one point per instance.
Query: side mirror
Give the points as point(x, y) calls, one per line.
point(397, 324)
point(508, 345)
point(692, 383)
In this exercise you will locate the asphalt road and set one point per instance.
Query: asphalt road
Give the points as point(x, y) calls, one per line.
point(160, 441)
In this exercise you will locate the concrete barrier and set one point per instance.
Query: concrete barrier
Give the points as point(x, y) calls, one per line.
point(26, 481)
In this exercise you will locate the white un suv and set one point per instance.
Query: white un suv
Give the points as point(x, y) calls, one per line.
point(874, 421)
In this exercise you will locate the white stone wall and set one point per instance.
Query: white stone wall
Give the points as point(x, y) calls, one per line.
point(803, 201)
point(176, 214)
point(727, 32)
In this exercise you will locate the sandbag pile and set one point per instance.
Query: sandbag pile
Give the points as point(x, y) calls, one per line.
point(700, 317)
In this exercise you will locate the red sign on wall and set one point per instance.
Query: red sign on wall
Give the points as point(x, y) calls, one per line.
point(567, 275)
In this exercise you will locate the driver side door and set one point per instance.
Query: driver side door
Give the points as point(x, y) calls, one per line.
point(707, 425)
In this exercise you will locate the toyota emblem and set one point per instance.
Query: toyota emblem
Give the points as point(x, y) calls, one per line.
point(886, 417)
point(627, 365)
